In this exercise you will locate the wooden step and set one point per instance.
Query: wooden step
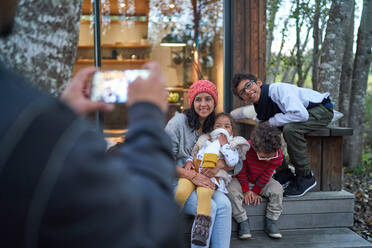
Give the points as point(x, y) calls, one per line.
point(304, 238)
point(316, 220)
point(314, 210)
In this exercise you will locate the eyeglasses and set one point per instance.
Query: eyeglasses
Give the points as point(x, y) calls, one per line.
point(246, 87)
point(267, 159)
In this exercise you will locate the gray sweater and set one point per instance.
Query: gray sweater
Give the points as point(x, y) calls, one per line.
point(183, 138)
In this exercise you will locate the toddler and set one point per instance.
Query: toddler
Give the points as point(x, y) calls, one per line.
point(261, 161)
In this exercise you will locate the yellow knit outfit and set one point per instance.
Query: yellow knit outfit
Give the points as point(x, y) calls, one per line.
point(204, 195)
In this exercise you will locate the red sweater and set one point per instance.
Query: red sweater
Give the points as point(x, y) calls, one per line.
point(257, 172)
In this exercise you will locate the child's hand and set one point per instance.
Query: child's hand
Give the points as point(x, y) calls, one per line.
point(222, 139)
point(189, 165)
point(257, 199)
point(210, 172)
point(251, 197)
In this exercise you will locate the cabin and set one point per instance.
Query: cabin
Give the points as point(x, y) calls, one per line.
point(218, 39)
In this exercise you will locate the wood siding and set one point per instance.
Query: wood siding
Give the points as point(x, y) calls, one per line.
point(248, 34)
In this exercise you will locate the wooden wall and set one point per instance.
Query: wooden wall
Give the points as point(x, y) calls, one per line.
point(248, 40)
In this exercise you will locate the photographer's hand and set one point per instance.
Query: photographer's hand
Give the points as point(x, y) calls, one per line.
point(151, 89)
point(76, 95)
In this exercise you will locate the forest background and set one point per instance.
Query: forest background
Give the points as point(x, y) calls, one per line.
point(326, 45)
point(314, 44)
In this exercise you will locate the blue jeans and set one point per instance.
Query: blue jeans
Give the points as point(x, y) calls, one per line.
point(220, 231)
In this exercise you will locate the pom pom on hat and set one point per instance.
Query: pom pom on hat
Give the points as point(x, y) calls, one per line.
point(202, 86)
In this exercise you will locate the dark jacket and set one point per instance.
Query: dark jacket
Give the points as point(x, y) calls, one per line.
point(58, 187)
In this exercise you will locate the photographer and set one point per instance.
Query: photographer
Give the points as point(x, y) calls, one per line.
point(58, 187)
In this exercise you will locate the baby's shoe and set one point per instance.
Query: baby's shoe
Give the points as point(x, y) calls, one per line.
point(272, 229)
point(244, 230)
point(200, 230)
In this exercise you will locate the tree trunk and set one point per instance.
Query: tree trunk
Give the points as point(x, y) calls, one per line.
point(369, 131)
point(273, 71)
point(301, 73)
point(286, 76)
point(292, 75)
point(362, 63)
point(272, 9)
point(299, 57)
point(44, 42)
point(346, 74)
point(316, 39)
point(333, 49)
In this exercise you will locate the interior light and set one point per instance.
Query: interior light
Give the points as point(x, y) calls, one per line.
point(122, 5)
point(172, 40)
point(173, 44)
point(172, 6)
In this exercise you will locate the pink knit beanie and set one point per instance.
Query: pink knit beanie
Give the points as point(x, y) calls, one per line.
point(202, 86)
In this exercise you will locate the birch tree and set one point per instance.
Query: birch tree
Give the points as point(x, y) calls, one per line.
point(320, 14)
point(362, 64)
point(274, 66)
point(334, 47)
point(44, 42)
point(346, 73)
point(272, 10)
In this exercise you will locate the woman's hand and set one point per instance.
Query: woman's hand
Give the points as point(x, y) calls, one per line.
point(251, 197)
point(189, 165)
point(201, 180)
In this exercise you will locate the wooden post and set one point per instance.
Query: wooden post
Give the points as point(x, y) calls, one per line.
point(249, 46)
point(332, 164)
point(314, 148)
point(248, 41)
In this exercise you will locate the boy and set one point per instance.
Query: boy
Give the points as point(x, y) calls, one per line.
point(261, 161)
point(297, 111)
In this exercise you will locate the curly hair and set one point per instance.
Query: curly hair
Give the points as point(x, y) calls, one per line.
point(266, 138)
point(228, 116)
point(193, 120)
point(238, 78)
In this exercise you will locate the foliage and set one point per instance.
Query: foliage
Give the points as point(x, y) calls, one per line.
point(365, 168)
point(295, 25)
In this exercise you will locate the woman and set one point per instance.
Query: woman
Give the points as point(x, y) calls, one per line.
point(184, 130)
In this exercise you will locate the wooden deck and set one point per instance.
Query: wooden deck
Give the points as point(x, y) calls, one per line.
point(318, 219)
point(304, 238)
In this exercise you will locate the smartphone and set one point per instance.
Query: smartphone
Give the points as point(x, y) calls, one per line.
point(112, 86)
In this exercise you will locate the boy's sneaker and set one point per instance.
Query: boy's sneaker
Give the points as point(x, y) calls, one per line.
point(284, 177)
point(244, 230)
point(300, 185)
point(272, 229)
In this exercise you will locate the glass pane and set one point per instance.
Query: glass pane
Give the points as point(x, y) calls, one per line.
point(136, 31)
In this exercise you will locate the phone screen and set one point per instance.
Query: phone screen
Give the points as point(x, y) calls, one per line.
point(112, 86)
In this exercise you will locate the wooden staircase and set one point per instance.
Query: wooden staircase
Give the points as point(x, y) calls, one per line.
point(313, 210)
point(318, 219)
